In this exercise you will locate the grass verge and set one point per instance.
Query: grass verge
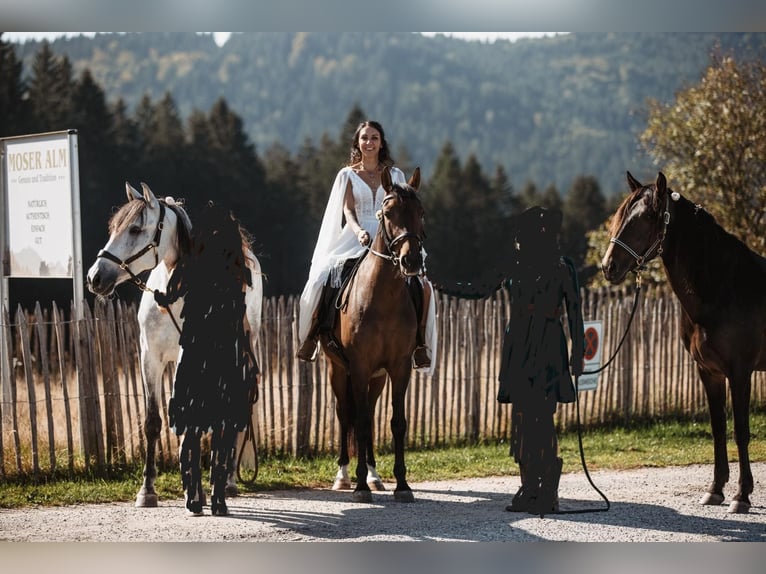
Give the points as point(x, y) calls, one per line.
point(640, 445)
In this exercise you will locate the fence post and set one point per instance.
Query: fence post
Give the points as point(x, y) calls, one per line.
point(42, 342)
point(103, 314)
point(26, 353)
point(64, 386)
point(90, 412)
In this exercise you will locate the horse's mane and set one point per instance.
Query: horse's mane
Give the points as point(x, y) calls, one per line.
point(127, 214)
point(247, 244)
point(714, 258)
point(183, 229)
point(405, 191)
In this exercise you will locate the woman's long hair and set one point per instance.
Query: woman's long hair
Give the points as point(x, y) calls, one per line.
point(384, 154)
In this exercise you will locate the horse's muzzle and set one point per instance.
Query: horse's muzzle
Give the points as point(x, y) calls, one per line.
point(100, 281)
point(613, 273)
point(411, 264)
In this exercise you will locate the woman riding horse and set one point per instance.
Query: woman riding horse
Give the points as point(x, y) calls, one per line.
point(217, 373)
point(357, 196)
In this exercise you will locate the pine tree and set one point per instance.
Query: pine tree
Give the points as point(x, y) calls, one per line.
point(584, 211)
point(355, 117)
point(12, 106)
point(126, 140)
point(241, 177)
point(441, 202)
point(288, 240)
point(50, 92)
point(530, 196)
point(98, 166)
point(164, 163)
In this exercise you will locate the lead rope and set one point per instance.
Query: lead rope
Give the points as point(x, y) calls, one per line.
point(577, 409)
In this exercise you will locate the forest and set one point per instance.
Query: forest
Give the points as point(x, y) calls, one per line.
point(262, 124)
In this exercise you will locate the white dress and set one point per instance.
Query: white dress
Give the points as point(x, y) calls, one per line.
point(338, 242)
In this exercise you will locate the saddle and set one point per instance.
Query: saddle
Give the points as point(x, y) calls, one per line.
point(336, 298)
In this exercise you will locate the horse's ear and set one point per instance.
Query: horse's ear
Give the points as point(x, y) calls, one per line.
point(149, 196)
point(633, 182)
point(132, 192)
point(661, 183)
point(385, 179)
point(415, 179)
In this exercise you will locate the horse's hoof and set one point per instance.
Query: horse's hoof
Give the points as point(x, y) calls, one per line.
point(404, 496)
point(146, 500)
point(739, 507)
point(342, 484)
point(194, 508)
point(376, 484)
point(219, 508)
point(231, 490)
point(362, 496)
point(711, 499)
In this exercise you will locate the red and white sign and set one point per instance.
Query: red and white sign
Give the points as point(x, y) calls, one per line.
point(592, 348)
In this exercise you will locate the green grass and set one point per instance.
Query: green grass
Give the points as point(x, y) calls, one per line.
point(640, 445)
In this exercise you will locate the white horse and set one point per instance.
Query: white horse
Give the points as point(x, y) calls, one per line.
point(145, 234)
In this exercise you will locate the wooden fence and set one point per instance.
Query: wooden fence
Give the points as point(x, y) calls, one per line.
point(75, 397)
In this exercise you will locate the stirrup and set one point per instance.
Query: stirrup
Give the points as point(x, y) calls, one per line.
point(421, 357)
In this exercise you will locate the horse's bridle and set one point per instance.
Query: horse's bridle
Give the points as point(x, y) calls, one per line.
point(391, 244)
point(642, 260)
point(152, 246)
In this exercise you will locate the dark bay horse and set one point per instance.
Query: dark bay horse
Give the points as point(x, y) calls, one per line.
point(721, 285)
point(376, 329)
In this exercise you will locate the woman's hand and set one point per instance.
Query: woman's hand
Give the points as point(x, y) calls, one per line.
point(363, 237)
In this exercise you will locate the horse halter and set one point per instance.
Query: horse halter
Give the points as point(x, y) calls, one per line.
point(642, 260)
point(152, 246)
point(393, 255)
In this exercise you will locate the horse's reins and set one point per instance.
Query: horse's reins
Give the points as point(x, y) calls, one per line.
point(641, 261)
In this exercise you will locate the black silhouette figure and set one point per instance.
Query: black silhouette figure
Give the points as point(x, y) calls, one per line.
point(535, 373)
point(216, 377)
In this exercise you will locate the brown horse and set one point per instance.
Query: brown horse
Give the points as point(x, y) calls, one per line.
point(376, 328)
point(721, 285)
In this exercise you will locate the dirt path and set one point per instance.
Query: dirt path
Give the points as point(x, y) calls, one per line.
point(646, 505)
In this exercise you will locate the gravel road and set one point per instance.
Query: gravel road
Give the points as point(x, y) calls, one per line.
point(646, 505)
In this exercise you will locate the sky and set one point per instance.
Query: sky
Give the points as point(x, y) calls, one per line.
point(221, 37)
